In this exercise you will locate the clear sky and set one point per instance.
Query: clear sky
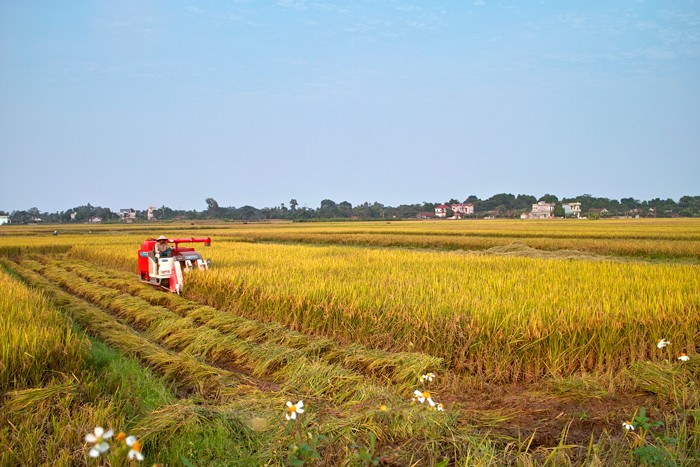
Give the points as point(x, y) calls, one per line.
point(125, 103)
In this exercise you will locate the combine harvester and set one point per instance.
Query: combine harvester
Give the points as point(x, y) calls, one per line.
point(166, 270)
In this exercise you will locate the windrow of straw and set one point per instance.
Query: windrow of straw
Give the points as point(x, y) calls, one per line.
point(398, 368)
point(283, 364)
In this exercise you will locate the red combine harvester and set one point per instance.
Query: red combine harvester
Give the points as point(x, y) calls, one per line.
point(166, 271)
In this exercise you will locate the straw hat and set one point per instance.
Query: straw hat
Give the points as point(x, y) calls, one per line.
point(162, 237)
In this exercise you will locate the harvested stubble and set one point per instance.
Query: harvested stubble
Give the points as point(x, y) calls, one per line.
point(397, 368)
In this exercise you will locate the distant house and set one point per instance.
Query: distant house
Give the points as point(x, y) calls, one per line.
point(150, 213)
point(72, 216)
point(542, 210)
point(462, 209)
point(425, 215)
point(4, 220)
point(95, 220)
point(441, 211)
point(598, 212)
point(127, 215)
point(572, 210)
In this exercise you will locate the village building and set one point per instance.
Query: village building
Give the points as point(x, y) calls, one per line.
point(572, 210)
point(425, 215)
point(542, 210)
point(150, 213)
point(127, 215)
point(4, 220)
point(462, 209)
point(601, 212)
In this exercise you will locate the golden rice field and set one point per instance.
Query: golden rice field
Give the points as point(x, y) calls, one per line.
point(542, 336)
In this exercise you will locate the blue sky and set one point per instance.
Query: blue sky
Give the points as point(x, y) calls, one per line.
point(137, 103)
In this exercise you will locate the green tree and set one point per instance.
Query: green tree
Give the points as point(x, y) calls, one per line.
point(213, 210)
point(549, 199)
point(689, 206)
point(344, 209)
point(328, 209)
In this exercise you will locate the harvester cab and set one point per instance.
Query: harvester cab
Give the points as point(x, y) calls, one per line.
point(167, 270)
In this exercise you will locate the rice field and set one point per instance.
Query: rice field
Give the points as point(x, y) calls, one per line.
point(542, 337)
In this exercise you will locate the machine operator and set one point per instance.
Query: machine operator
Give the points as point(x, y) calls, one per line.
point(162, 248)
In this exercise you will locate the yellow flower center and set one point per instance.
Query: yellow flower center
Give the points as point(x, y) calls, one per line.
point(121, 436)
point(426, 394)
point(137, 446)
point(292, 408)
point(383, 408)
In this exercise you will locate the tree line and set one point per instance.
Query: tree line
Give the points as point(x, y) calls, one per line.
point(502, 205)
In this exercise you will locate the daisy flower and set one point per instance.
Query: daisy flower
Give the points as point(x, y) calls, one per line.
point(383, 408)
point(662, 343)
point(422, 396)
point(97, 438)
point(427, 377)
point(627, 425)
point(684, 357)
point(294, 409)
point(440, 407)
point(135, 451)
